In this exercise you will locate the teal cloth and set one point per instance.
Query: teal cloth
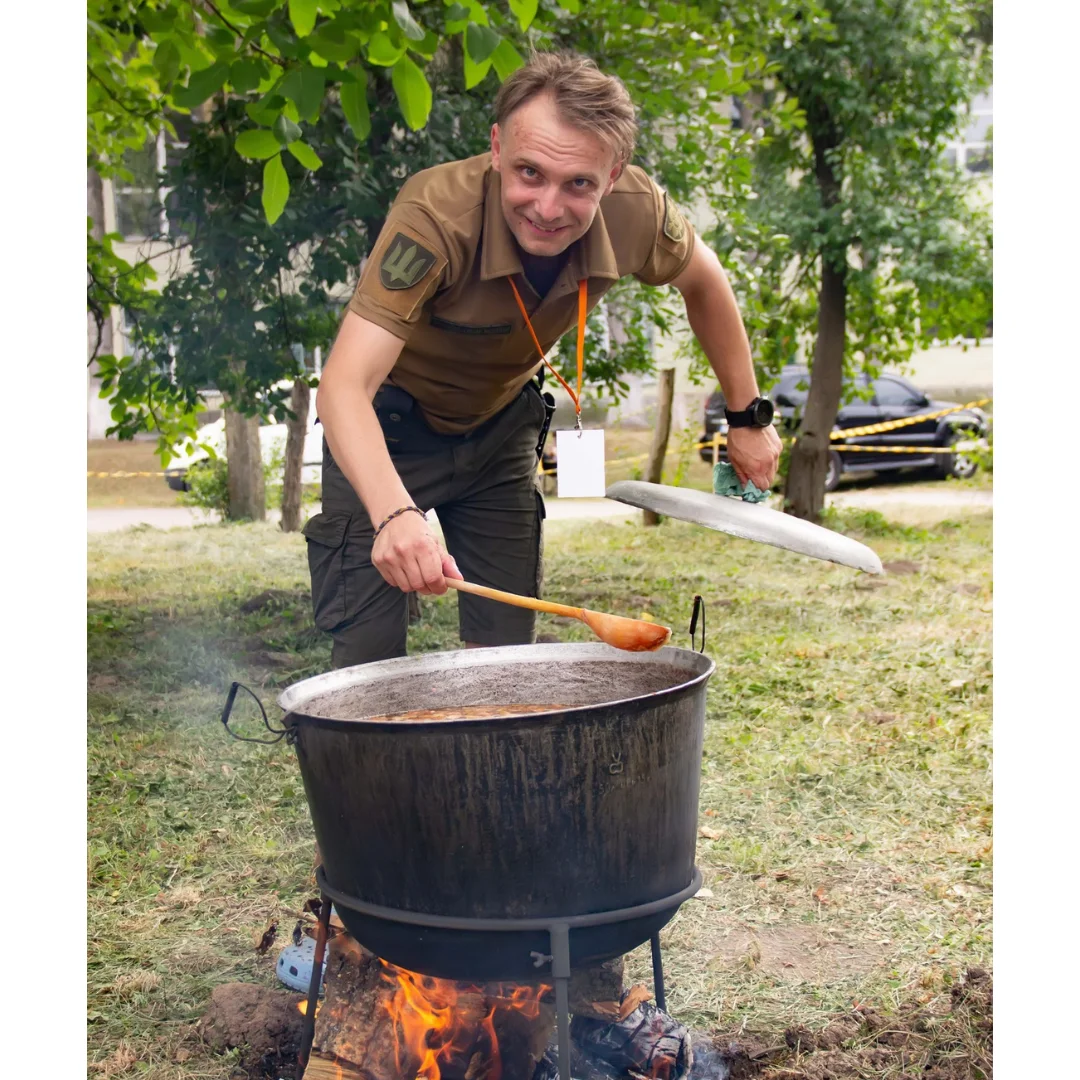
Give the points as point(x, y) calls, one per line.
point(725, 482)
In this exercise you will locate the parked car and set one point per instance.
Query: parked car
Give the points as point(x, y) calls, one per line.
point(888, 397)
point(272, 436)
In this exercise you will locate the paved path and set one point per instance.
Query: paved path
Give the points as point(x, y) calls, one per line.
point(113, 519)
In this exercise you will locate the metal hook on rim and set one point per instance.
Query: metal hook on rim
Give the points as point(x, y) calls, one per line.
point(699, 609)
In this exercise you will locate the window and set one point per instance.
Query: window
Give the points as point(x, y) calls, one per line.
point(894, 393)
point(141, 201)
point(974, 152)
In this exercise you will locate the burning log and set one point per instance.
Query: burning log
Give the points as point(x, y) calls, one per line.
point(385, 1023)
point(646, 1041)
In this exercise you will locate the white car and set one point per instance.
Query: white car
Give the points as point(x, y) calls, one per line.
point(272, 438)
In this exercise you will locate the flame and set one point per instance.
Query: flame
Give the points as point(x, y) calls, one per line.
point(437, 1021)
point(302, 1006)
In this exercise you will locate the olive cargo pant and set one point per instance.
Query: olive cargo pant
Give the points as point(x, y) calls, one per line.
point(483, 488)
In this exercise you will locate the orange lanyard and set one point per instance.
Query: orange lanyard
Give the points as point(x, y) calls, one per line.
point(583, 298)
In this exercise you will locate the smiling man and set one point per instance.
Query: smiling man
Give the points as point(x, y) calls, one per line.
point(429, 398)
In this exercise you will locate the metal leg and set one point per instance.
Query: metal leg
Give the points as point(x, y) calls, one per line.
point(308, 1035)
point(560, 969)
point(658, 973)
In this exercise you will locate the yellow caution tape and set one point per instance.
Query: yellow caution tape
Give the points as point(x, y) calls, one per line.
point(907, 421)
point(117, 475)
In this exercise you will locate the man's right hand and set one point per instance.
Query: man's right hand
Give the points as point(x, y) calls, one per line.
point(407, 555)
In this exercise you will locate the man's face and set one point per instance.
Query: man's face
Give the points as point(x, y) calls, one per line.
point(553, 176)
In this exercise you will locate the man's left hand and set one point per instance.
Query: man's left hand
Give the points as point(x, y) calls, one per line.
point(754, 454)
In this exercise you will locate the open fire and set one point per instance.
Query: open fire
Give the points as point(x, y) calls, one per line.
point(383, 1022)
point(453, 1030)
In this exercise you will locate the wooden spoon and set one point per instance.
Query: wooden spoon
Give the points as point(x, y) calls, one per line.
point(634, 635)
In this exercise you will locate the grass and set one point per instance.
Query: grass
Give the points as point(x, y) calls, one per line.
point(845, 800)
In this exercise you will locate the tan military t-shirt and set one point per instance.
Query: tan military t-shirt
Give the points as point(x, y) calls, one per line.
point(437, 279)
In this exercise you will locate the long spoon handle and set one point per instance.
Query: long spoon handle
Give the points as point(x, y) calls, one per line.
point(513, 598)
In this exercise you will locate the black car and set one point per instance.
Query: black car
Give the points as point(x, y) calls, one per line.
point(870, 401)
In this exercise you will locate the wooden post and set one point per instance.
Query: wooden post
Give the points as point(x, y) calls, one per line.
point(665, 394)
point(292, 482)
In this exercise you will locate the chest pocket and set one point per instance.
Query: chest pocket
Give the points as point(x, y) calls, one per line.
point(470, 329)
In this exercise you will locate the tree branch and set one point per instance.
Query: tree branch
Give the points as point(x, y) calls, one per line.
point(108, 90)
point(239, 33)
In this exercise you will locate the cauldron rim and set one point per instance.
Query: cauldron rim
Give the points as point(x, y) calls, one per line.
point(291, 701)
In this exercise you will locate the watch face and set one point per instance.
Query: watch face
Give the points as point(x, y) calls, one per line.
point(763, 413)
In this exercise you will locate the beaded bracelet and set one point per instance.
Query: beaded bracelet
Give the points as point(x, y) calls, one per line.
point(397, 513)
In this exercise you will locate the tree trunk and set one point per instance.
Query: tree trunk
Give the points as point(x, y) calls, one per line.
point(805, 490)
point(247, 488)
point(665, 393)
point(292, 487)
point(99, 325)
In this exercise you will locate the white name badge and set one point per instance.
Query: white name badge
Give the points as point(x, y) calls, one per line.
point(580, 460)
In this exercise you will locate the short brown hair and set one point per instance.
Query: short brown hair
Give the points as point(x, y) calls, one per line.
point(584, 96)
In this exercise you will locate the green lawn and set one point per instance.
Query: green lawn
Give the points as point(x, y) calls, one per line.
point(846, 792)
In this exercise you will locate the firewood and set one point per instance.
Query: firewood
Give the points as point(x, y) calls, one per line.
point(320, 1068)
point(354, 1025)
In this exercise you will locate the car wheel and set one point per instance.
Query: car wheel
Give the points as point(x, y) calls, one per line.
point(962, 466)
point(835, 469)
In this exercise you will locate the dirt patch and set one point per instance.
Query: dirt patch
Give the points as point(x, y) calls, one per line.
point(950, 1039)
point(902, 566)
point(261, 1022)
point(794, 953)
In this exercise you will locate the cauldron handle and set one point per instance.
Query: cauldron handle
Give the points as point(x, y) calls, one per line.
point(699, 609)
point(231, 699)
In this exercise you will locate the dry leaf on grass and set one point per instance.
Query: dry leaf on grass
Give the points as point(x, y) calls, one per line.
point(709, 834)
point(135, 982)
point(820, 896)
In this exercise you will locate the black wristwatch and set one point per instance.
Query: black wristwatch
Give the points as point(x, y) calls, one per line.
point(759, 413)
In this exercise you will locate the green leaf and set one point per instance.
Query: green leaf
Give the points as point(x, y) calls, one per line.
point(201, 85)
point(427, 47)
point(382, 51)
point(525, 10)
point(266, 110)
point(475, 73)
point(480, 42)
point(302, 15)
point(312, 88)
point(332, 43)
point(275, 192)
point(260, 8)
point(305, 155)
point(506, 59)
point(573, 6)
point(413, 92)
point(354, 105)
point(403, 17)
point(245, 75)
point(291, 85)
point(257, 144)
point(285, 130)
point(167, 60)
point(457, 18)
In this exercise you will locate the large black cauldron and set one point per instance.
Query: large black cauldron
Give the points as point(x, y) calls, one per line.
point(434, 834)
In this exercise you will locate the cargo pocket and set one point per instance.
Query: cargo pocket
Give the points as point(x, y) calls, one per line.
point(541, 514)
point(325, 535)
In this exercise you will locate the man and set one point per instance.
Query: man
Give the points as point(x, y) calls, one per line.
point(428, 399)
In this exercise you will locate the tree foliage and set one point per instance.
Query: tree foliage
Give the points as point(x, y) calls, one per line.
point(858, 221)
point(312, 116)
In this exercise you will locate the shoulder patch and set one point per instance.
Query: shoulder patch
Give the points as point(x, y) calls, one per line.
point(405, 263)
point(674, 226)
